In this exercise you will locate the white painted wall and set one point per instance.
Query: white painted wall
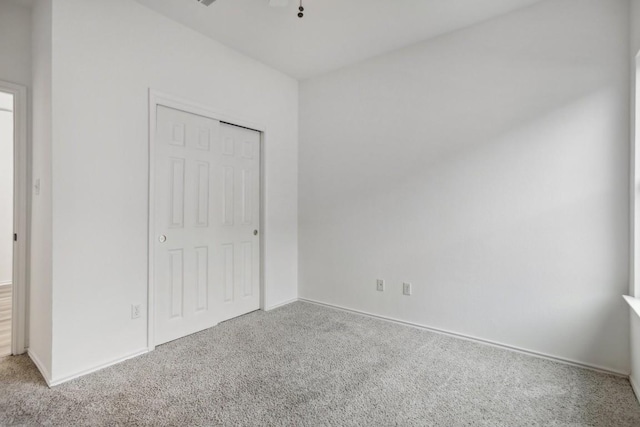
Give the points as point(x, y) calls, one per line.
point(6, 188)
point(15, 67)
point(15, 43)
point(107, 54)
point(634, 377)
point(40, 299)
point(489, 167)
point(634, 282)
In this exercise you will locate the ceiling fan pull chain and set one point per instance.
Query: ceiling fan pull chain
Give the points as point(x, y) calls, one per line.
point(301, 9)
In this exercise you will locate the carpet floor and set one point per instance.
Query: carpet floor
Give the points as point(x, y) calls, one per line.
point(306, 365)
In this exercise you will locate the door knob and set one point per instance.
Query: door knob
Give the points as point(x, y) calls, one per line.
point(255, 232)
point(162, 238)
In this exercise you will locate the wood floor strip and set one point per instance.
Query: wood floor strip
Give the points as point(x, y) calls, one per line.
point(5, 320)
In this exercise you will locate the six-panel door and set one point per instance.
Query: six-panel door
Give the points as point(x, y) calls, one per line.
point(207, 208)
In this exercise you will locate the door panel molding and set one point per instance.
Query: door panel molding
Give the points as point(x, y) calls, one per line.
point(159, 99)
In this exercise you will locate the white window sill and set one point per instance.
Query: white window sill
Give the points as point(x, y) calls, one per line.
point(634, 303)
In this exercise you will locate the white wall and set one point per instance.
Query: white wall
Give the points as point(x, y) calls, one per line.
point(634, 377)
point(6, 188)
point(40, 300)
point(634, 282)
point(489, 167)
point(107, 54)
point(15, 67)
point(15, 43)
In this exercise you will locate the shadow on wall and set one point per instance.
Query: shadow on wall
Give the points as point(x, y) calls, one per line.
point(489, 167)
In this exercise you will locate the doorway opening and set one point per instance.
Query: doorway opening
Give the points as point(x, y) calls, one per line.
point(7, 138)
point(13, 218)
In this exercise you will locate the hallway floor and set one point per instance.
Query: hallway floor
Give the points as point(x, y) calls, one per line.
point(5, 320)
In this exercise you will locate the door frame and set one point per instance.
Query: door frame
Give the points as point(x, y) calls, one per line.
point(158, 98)
point(20, 180)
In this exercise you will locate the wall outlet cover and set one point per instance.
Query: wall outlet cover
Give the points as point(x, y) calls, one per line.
point(406, 288)
point(380, 285)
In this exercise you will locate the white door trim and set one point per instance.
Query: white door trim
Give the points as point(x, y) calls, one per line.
point(157, 98)
point(19, 292)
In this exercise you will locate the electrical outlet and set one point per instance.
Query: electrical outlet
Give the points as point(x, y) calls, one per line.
point(406, 288)
point(380, 285)
point(135, 311)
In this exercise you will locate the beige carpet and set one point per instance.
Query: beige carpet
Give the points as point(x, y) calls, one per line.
point(5, 320)
point(305, 365)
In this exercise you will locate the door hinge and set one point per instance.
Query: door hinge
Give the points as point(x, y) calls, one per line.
point(15, 237)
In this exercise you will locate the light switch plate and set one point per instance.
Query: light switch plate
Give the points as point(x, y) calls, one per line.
point(135, 311)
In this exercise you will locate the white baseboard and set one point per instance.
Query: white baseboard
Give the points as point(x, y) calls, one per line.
point(58, 381)
point(43, 371)
point(282, 304)
point(635, 388)
point(475, 339)
point(54, 382)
